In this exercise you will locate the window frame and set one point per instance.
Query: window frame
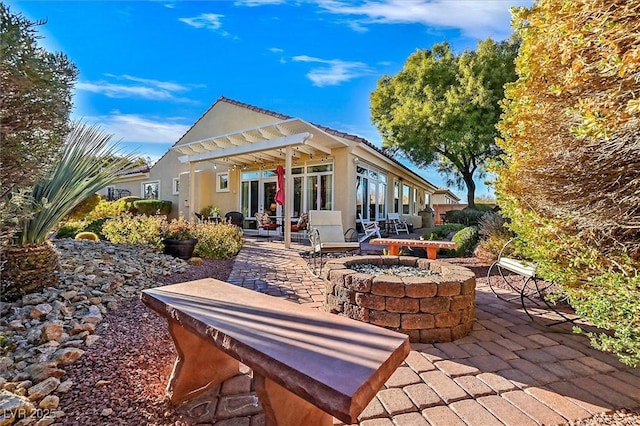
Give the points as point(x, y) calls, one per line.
point(219, 181)
point(175, 186)
point(143, 189)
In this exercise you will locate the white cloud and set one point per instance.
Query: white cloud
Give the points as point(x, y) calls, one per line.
point(475, 18)
point(276, 50)
point(166, 85)
point(146, 89)
point(208, 21)
point(112, 90)
point(253, 3)
point(136, 128)
point(335, 71)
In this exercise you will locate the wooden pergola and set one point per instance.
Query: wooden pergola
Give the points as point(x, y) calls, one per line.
point(264, 144)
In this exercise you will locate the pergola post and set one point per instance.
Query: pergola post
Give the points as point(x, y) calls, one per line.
point(192, 191)
point(288, 197)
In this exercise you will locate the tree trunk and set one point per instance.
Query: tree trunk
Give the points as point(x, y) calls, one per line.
point(471, 189)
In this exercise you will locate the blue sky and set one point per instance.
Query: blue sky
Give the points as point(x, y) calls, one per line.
point(150, 69)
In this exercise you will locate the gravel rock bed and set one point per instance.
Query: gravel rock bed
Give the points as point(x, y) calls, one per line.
point(397, 270)
point(44, 333)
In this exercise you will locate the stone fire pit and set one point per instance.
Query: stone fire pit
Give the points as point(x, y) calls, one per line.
point(430, 301)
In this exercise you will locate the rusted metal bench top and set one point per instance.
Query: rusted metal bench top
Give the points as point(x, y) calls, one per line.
point(308, 365)
point(394, 245)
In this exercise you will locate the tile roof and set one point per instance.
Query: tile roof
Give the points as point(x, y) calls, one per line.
point(134, 170)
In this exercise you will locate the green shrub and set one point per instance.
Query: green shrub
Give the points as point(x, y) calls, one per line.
point(106, 209)
point(152, 207)
point(96, 227)
point(90, 236)
point(126, 204)
point(217, 240)
point(467, 240)
point(134, 229)
point(440, 232)
point(466, 216)
point(71, 229)
point(85, 207)
point(484, 208)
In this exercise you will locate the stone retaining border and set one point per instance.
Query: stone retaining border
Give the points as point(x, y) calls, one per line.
point(429, 309)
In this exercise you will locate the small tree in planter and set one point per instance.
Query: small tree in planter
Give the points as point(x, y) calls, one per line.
point(210, 211)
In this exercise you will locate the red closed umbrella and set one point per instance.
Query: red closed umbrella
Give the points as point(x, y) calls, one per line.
point(280, 191)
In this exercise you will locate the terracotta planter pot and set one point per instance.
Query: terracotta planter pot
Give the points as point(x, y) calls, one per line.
point(182, 249)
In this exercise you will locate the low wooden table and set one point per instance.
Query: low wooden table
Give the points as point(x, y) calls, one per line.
point(307, 364)
point(394, 245)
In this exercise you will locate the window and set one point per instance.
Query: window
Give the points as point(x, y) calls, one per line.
point(151, 190)
point(320, 187)
point(371, 188)
point(222, 180)
point(175, 185)
point(312, 189)
point(396, 197)
point(405, 199)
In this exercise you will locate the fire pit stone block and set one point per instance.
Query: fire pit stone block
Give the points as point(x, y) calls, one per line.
point(433, 308)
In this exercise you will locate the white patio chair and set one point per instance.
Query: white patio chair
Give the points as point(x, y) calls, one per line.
point(398, 223)
point(327, 236)
point(370, 228)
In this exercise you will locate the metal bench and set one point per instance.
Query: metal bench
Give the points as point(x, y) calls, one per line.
point(308, 365)
point(531, 287)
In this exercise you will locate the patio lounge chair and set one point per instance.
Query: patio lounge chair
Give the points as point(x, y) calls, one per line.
point(234, 218)
point(397, 223)
point(327, 236)
point(301, 226)
point(265, 222)
point(370, 228)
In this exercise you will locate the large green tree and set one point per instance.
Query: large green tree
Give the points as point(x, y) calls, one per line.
point(442, 108)
point(36, 100)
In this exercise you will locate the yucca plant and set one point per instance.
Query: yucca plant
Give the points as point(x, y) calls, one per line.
point(31, 263)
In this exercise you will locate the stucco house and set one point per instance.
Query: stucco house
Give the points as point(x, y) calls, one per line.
point(229, 157)
point(444, 196)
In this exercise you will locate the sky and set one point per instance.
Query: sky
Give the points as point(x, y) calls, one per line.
point(149, 69)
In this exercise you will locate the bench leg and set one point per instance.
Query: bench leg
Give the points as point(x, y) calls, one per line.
point(432, 253)
point(284, 408)
point(199, 366)
point(394, 250)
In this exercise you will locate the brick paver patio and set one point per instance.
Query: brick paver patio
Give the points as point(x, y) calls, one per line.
point(507, 371)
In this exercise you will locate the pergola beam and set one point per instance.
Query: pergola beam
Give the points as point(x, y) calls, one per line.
point(251, 148)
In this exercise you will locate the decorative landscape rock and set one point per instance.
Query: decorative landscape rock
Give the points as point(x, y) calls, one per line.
point(43, 389)
point(47, 330)
point(13, 407)
point(427, 300)
point(67, 356)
